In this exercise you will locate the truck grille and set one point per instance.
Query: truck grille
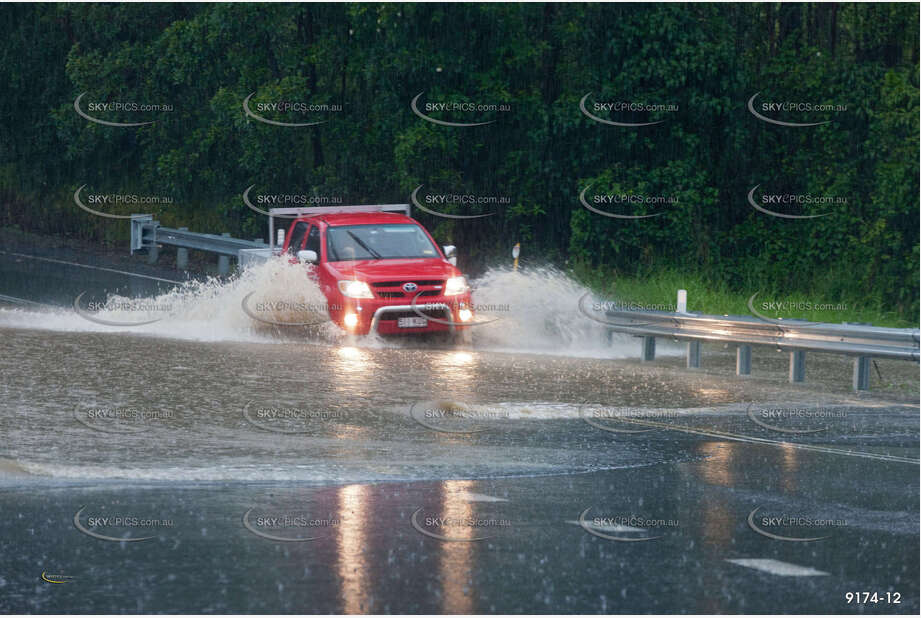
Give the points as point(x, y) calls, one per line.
point(399, 284)
point(421, 294)
point(394, 289)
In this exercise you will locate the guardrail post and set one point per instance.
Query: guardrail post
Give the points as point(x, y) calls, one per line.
point(649, 349)
point(682, 306)
point(693, 355)
point(153, 253)
point(797, 365)
point(862, 373)
point(744, 360)
point(182, 255)
point(223, 261)
point(796, 337)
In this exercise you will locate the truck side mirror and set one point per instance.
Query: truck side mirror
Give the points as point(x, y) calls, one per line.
point(307, 256)
point(280, 238)
point(451, 254)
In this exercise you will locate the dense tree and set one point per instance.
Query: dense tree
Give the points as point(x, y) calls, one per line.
point(367, 62)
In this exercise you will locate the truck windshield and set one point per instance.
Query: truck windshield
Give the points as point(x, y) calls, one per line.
point(376, 242)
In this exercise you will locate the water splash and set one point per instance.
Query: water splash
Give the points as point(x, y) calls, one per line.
point(537, 311)
point(528, 311)
point(208, 310)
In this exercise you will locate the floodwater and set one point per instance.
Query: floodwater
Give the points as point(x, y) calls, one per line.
point(183, 453)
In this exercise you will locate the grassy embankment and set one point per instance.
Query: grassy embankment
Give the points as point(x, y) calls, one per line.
point(718, 298)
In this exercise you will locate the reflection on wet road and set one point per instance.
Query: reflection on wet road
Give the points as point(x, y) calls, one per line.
point(251, 474)
point(371, 558)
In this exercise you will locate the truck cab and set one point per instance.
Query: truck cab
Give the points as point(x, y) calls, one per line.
point(381, 271)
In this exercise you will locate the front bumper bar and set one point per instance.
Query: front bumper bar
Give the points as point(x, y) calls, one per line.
point(401, 308)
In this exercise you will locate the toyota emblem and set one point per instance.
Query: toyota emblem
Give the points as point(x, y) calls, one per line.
point(410, 287)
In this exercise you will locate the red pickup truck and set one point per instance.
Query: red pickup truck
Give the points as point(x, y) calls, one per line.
point(380, 271)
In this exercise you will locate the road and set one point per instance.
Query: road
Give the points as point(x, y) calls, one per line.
point(200, 464)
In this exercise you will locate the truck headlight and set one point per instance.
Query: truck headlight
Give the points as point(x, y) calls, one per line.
point(455, 286)
point(355, 289)
point(350, 320)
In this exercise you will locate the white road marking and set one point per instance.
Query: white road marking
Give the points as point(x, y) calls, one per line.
point(473, 497)
point(21, 301)
point(111, 270)
point(712, 433)
point(776, 567)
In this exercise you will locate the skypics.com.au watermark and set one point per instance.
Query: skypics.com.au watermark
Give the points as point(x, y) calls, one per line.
point(117, 199)
point(296, 106)
point(297, 199)
point(632, 106)
point(121, 419)
point(784, 310)
point(454, 417)
point(287, 109)
point(607, 108)
point(623, 313)
point(120, 528)
point(629, 305)
point(456, 109)
point(465, 528)
point(85, 108)
point(626, 528)
point(633, 199)
point(116, 310)
point(794, 205)
point(287, 526)
point(288, 419)
point(793, 528)
point(793, 419)
point(463, 201)
point(770, 110)
point(288, 312)
point(630, 201)
point(619, 419)
point(142, 305)
point(260, 202)
point(468, 314)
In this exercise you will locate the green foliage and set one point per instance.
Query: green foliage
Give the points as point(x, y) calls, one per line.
point(370, 60)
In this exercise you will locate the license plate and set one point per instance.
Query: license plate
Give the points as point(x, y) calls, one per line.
point(412, 322)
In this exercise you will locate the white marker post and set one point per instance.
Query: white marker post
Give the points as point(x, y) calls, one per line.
point(693, 346)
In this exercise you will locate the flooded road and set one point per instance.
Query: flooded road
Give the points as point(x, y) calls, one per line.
point(204, 461)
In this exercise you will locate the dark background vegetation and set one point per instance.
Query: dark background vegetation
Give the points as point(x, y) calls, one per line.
point(540, 59)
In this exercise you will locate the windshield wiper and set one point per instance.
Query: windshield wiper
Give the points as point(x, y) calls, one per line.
point(362, 244)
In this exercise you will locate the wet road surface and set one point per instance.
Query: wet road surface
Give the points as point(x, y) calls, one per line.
point(197, 465)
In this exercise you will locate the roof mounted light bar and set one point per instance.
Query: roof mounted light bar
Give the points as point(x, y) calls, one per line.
point(307, 211)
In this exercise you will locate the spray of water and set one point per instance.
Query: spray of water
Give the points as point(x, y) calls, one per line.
point(247, 307)
point(531, 311)
point(536, 310)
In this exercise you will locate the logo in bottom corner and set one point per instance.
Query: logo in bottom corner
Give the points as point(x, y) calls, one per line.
point(56, 578)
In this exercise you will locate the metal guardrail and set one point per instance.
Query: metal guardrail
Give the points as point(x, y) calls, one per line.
point(149, 234)
point(251, 257)
point(222, 245)
point(862, 341)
